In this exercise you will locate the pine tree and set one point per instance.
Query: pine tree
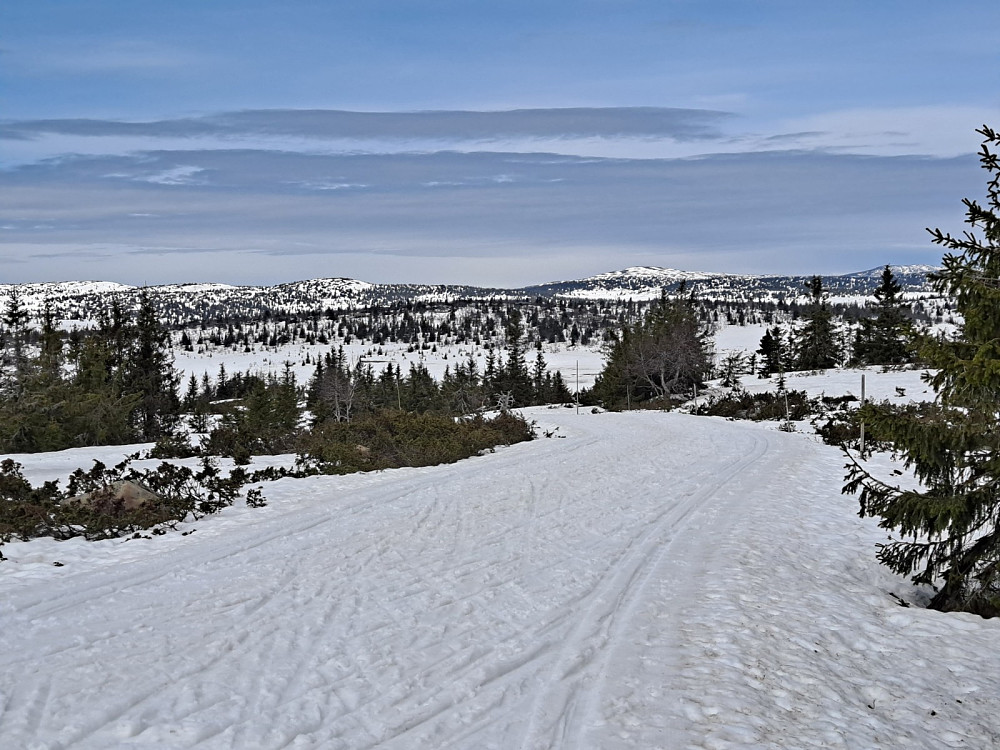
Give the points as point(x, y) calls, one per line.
point(191, 395)
point(773, 352)
point(51, 354)
point(885, 339)
point(15, 320)
point(334, 388)
point(816, 346)
point(949, 528)
point(665, 353)
point(150, 373)
point(513, 377)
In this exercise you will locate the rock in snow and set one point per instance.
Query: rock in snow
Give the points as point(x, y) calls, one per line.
point(129, 495)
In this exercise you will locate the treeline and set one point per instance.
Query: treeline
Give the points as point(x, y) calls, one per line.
point(887, 335)
point(270, 411)
point(112, 385)
point(667, 353)
point(115, 384)
point(424, 326)
point(507, 380)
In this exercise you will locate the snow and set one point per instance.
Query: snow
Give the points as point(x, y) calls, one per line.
point(898, 387)
point(637, 283)
point(644, 580)
point(564, 358)
point(195, 288)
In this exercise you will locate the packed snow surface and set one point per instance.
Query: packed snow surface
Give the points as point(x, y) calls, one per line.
point(649, 580)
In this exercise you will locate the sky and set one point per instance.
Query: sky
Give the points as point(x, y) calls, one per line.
point(498, 143)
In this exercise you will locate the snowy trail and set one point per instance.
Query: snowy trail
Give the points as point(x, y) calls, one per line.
point(574, 593)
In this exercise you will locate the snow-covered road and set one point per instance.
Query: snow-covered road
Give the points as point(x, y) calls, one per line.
point(650, 581)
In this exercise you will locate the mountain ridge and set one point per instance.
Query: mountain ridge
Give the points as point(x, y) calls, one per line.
point(200, 300)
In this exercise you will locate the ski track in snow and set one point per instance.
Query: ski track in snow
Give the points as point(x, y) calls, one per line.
point(651, 581)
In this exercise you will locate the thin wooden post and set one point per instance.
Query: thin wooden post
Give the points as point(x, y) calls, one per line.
point(862, 423)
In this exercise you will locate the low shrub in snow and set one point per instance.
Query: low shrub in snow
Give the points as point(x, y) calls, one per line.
point(740, 404)
point(181, 493)
point(391, 439)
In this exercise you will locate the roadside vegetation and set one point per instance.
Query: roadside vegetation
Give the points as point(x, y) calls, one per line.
point(946, 533)
point(117, 386)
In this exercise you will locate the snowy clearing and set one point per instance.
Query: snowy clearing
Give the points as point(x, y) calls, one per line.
point(651, 581)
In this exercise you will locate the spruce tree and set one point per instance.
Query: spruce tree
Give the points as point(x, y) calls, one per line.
point(885, 338)
point(947, 531)
point(816, 346)
point(51, 354)
point(665, 353)
point(513, 377)
point(150, 373)
point(15, 320)
point(538, 377)
point(772, 352)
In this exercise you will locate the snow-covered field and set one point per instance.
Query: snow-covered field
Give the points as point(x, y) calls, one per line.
point(649, 580)
point(571, 361)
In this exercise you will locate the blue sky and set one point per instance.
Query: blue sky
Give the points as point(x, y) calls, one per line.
point(499, 143)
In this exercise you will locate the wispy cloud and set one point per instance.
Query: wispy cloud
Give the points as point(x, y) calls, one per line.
point(180, 175)
point(679, 124)
point(406, 217)
point(88, 57)
point(621, 132)
point(939, 130)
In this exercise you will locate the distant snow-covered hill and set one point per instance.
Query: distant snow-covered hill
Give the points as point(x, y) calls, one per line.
point(202, 301)
point(648, 282)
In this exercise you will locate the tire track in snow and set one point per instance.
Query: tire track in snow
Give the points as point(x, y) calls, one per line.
point(428, 611)
point(569, 701)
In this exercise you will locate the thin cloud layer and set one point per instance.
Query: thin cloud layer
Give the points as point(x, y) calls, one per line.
point(266, 216)
point(678, 124)
point(248, 140)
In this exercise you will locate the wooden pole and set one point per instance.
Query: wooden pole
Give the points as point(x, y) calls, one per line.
point(862, 404)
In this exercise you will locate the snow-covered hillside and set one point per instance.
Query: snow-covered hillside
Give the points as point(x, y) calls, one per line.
point(650, 580)
point(205, 301)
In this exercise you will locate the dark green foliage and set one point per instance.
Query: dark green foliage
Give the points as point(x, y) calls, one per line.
point(730, 368)
point(15, 320)
point(27, 512)
point(816, 345)
point(24, 510)
point(419, 392)
point(462, 390)
point(740, 404)
point(843, 429)
point(948, 530)
point(265, 422)
point(342, 394)
point(392, 439)
point(664, 354)
point(122, 386)
point(839, 423)
point(174, 446)
point(886, 338)
point(255, 498)
point(513, 377)
point(773, 351)
point(336, 391)
point(148, 372)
